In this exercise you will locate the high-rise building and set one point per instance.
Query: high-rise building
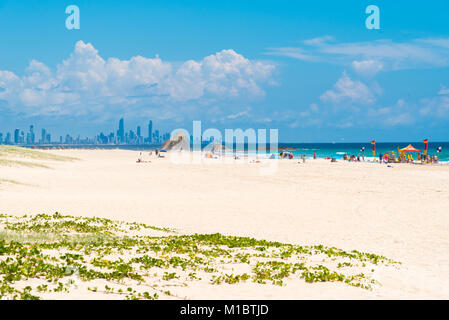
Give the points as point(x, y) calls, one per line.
point(121, 130)
point(43, 135)
point(16, 136)
point(32, 137)
point(150, 131)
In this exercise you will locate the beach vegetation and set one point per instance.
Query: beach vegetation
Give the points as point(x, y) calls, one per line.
point(19, 152)
point(137, 261)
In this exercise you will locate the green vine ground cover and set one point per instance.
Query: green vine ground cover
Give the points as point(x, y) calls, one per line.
point(43, 255)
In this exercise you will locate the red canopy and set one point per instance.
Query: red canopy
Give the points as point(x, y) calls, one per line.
point(409, 148)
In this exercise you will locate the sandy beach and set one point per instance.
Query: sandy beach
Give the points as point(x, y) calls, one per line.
point(401, 212)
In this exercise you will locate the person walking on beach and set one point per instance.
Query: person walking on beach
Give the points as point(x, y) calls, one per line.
point(314, 155)
point(380, 157)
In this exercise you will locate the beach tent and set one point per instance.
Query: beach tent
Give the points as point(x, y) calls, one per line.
point(178, 142)
point(409, 148)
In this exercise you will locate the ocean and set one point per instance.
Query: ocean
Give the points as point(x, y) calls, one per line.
point(322, 150)
point(337, 150)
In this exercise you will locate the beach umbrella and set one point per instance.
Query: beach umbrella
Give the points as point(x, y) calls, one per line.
point(409, 148)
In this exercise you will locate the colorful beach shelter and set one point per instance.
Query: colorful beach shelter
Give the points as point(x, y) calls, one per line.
point(409, 148)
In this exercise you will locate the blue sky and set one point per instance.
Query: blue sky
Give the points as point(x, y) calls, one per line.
point(311, 69)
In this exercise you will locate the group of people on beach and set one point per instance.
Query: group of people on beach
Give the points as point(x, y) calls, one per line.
point(354, 158)
point(150, 154)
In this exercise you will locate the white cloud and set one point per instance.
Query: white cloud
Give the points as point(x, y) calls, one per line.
point(400, 119)
point(443, 90)
point(388, 54)
point(85, 79)
point(295, 53)
point(319, 41)
point(435, 107)
point(367, 67)
point(348, 90)
point(239, 114)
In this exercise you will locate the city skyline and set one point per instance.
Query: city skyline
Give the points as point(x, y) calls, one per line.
point(119, 137)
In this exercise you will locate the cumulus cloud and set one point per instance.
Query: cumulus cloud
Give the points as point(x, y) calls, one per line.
point(348, 90)
point(85, 79)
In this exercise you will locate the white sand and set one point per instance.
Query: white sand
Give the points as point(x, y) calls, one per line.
point(400, 212)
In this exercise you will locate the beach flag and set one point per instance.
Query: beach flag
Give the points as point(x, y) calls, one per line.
point(374, 147)
point(426, 141)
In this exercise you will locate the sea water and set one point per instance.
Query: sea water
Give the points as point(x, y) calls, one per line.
point(322, 150)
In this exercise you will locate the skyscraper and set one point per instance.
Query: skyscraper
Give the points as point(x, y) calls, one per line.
point(32, 137)
point(16, 136)
point(150, 131)
point(121, 130)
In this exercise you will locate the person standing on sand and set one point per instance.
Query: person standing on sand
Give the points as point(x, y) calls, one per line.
point(380, 157)
point(314, 155)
